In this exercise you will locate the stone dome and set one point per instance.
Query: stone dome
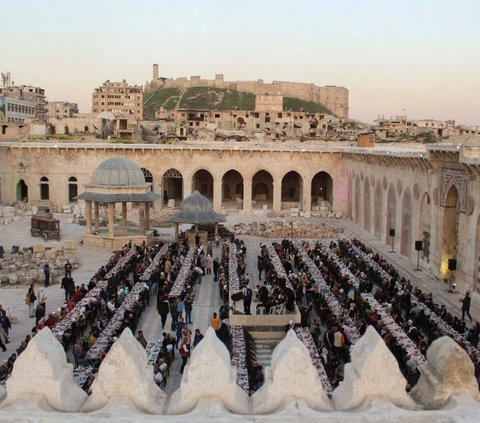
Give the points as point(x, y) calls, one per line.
point(118, 171)
point(197, 209)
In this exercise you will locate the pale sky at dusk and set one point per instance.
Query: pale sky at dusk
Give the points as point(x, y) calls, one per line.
point(422, 56)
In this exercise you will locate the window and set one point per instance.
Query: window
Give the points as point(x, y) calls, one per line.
point(279, 115)
point(44, 188)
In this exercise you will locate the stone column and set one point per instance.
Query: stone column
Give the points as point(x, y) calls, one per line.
point(217, 195)
point(247, 196)
point(88, 215)
point(176, 231)
point(111, 219)
point(96, 210)
point(147, 216)
point(124, 216)
point(277, 195)
point(159, 203)
point(307, 196)
point(187, 186)
point(141, 213)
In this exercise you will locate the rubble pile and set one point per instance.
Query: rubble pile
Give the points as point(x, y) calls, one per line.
point(26, 267)
point(10, 214)
point(281, 229)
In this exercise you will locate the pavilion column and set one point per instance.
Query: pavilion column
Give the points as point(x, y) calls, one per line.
point(111, 219)
point(187, 186)
point(217, 195)
point(147, 216)
point(176, 231)
point(158, 204)
point(307, 197)
point(88, 215)
point(96, 211)
point(215, 230)
point(124, 216)
point(247, 196)
point(277, 195)
point(141, 210)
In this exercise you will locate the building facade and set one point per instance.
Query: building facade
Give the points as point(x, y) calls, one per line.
point(28, 93)
point(429, 195)
point(61, 109)
point(118, 98)
point(16, 110)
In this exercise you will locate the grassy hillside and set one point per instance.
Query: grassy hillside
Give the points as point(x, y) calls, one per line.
point(296, 105)
point(166, 98)
point(216, 99)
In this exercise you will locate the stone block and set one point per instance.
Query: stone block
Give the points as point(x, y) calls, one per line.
point(372, 374)
point(56, 389)
point(292, 376)
point(38, 248)
point(125, 373)
point(17, 218)
point(34, 209)
point(449, 373)
point(209, 374)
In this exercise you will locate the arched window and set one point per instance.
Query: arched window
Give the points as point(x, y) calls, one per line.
point(72, 189)
point(44, 188)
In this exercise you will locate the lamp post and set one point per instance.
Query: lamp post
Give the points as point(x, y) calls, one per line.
point(392, 236)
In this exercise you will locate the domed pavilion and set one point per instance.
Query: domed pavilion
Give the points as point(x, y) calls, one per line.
point(117, 180)
point(196, 210)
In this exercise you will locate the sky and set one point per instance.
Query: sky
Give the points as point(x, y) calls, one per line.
point(420, 58)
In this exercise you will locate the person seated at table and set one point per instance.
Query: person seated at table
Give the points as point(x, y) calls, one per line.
point(111, 306)
point(158, 376)
point(79, 354)
point(50, 321)
point(141, 339)
point(23, 344)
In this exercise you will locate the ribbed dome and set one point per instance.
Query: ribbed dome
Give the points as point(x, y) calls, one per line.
point(196, 209)
point(118, 171)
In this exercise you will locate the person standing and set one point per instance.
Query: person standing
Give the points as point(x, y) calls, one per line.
point(180, 326)
point(30, 300)
point(5, 323)
point(217, 241)
point(209, 264)
point(215, 321)
point(68, 269)
point(188, 309)
point(197, 338)
point(466, 306)
point(247, 300)
point(185, 353)
point(42, 299)
point(216, 265)
point(46, 272)
point(162, 307)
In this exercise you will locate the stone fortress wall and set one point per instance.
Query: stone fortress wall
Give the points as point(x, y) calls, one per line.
point(333, 97)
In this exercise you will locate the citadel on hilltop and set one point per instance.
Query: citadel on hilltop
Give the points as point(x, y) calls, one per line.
point(332, 97)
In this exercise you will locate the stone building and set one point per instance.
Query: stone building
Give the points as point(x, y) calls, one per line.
point(61, 109)
point(118, 98)
point(274, 124)
point(15, 110)
point(333, 97)
point(425, 193)
point(28, 93)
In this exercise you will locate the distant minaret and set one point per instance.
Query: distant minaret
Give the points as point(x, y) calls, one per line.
point(155, 72)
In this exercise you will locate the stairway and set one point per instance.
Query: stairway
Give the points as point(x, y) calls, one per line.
point(265, 346)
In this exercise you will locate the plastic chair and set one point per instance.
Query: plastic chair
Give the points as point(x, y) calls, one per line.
point(261, 310)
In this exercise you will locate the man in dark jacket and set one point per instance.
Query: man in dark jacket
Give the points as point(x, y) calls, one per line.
point(162, 307)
